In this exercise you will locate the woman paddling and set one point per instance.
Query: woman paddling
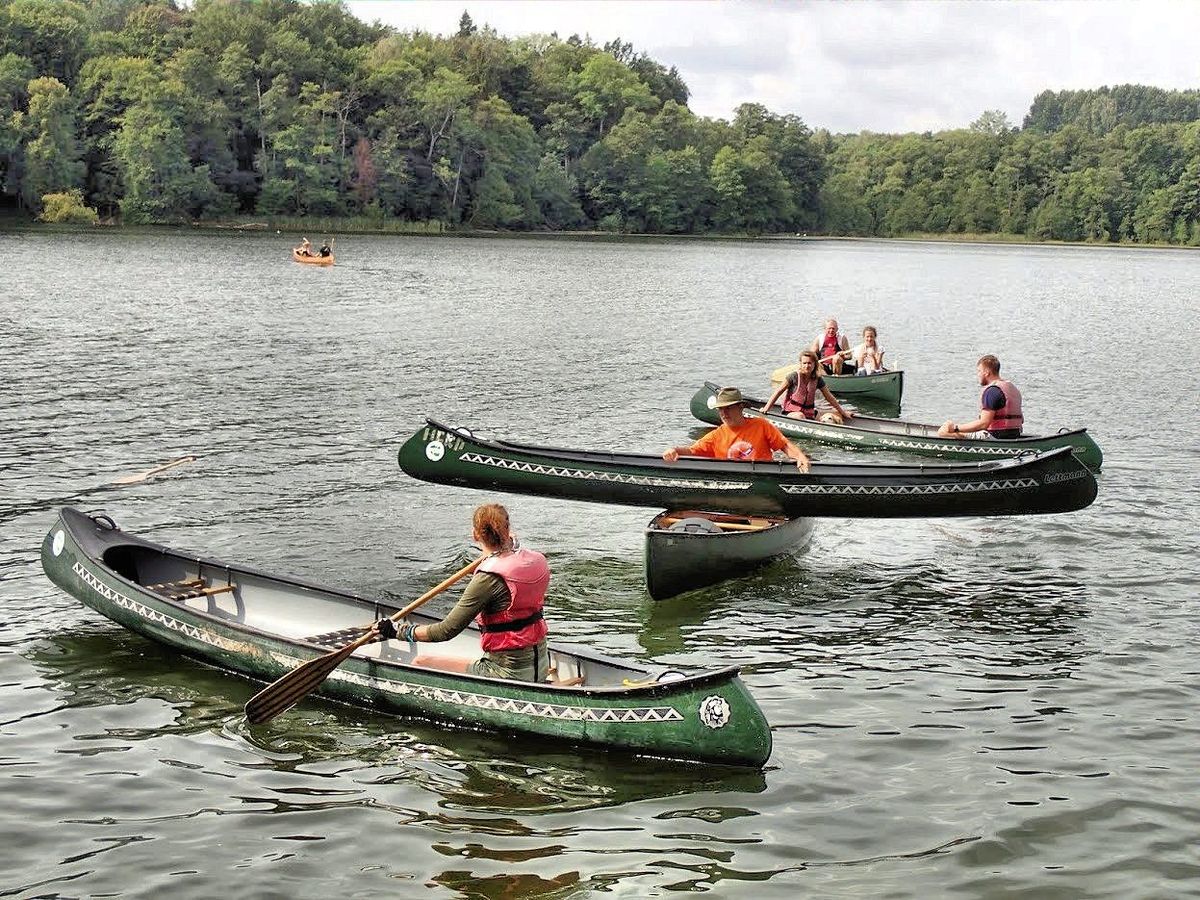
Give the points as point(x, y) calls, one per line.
point(506, 595)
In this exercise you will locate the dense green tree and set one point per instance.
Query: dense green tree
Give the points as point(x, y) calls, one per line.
point(52, 157)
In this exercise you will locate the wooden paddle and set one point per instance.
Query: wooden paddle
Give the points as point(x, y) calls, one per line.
point(137, 479)
point(727, 526)
point(284, 693)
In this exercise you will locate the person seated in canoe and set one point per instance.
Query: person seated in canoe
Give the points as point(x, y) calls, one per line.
point(506, 596)
point(868, 356)
point(999, 406)
point(305, 248)
point(833, 349)
point(739, 437)
point(326, 249)
point(799, 392)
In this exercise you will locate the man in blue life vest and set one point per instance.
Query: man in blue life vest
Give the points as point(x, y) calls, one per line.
point(999, 406)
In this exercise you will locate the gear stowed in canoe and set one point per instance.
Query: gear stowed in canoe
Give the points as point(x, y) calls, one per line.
point(884, 387)
point(691, 549)
point(264, 626)
point(870, 433)
point(1049, 482)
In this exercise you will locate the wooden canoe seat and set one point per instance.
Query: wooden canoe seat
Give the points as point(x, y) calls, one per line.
point(189, 589)
point(552, 678)
point(338, 638)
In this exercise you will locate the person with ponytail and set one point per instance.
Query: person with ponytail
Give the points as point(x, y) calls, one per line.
point(506, 597)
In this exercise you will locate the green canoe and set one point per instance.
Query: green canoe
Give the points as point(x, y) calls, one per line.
point(263, 626)
point(870, 433)
point(690, 549)
point(885, 387)
point(1037, 483)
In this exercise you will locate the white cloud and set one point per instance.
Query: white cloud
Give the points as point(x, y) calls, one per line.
point(853, 66)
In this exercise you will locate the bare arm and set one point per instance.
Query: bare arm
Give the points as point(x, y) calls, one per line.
point(837, 407)
point(775, 396)
point(801, 458)
point(983, 423)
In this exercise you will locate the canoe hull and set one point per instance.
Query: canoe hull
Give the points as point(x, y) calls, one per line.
point(1042, 483)
point(906, 437)
point(312, 260)
point(708, 717)
point(678, 561)
point(885, 387)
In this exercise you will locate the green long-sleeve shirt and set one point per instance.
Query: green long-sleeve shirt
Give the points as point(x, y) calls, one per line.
point(485, 593)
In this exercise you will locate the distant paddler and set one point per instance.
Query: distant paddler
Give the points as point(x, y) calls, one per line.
point(507, 595)
point(739, 437)
point(999, 405)
point(305, 248)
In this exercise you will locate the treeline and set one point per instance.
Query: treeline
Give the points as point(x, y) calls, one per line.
point(161, 113)
point(149, 111)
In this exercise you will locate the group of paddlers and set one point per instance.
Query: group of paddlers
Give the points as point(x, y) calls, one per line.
point(306, 248)
point(508, 592)
point(740, 437)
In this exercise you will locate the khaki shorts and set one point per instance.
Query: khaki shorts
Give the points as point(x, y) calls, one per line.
point(516, 665)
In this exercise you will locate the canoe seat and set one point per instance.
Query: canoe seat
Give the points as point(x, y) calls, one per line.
point(552, 678)
point(189, 589)
point(338, 638)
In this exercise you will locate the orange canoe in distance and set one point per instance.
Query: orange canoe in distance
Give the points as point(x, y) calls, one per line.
point(312, 260)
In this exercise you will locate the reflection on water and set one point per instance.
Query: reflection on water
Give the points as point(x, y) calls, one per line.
point(959, 707)
point(468, 769)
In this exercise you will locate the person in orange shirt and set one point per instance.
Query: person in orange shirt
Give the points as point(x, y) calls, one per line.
point(738, 437)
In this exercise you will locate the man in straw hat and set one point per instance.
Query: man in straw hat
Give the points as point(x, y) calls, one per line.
point(739, 437)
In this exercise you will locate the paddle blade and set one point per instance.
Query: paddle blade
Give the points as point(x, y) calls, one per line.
point(281, 695)
point(150, 473)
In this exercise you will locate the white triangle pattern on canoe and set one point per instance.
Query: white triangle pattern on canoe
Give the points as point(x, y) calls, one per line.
point(149, 614)
point(961, 487)
point(591, 475)
point(638, 715)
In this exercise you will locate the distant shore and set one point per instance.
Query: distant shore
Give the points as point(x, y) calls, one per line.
point(336, 227)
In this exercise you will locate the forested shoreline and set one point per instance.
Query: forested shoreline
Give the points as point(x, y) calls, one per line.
point(224, 110)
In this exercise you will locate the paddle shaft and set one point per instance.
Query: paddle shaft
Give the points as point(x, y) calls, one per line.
point(288, 690)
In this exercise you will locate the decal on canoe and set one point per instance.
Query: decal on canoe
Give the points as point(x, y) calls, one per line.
point(57, 542)
point(1006, 484)
point(1056, 477)
point(714, 711)
point(435, 450)
point(637, 715)
point(153, 615)
point(591, 475)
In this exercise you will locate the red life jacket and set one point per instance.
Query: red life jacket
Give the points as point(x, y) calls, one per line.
point(802, 397)
point(1010, 415)
point(520, 625)
point(829, 344)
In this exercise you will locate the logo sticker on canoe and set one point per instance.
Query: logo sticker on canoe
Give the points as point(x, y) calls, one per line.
point(714, 712)
point(712, 402)
point(56, 544)
point(435, 450)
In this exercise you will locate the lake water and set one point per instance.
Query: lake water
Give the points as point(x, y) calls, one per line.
point(960, 707)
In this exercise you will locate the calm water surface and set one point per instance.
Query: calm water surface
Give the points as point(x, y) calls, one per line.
point(960, 707)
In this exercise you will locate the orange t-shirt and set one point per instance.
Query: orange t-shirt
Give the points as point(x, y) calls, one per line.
point(760, 436)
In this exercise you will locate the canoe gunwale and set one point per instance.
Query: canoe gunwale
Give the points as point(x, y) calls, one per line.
point(747, 469)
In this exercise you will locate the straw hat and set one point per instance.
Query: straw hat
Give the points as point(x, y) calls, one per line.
point(728, 396)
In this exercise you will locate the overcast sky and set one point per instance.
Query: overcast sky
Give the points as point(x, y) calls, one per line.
point(862, 65)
